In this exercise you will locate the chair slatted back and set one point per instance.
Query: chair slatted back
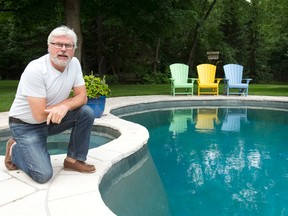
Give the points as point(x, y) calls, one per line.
point(179, 72)
point(206, 73)
point(234, 73)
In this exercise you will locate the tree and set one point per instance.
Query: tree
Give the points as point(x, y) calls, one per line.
point(273, 26)
point(24, 30)
point(72, 19)
point(120, 37)
point(205, 12)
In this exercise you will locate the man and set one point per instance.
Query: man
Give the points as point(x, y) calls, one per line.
point(42, 107)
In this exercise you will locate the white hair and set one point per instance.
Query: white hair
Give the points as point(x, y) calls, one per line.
point(62, 31)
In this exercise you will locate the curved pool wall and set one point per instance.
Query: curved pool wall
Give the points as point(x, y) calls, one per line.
point(128, 190)
point(189, 103)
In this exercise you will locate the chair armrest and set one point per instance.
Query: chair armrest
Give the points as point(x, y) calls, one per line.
point(218, 79)
point(225, 80)
point(192, 80)
point(171, 79)
point(247, 80)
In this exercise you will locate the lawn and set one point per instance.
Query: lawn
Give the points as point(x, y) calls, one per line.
point(8, 90)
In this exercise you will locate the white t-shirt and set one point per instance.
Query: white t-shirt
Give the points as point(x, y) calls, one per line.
point(41, 79)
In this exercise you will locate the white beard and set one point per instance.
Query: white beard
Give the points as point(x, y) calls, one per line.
point(60, 63)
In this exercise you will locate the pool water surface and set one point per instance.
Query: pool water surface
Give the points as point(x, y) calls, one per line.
point(220, 161)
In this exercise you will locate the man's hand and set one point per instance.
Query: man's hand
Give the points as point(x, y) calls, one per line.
point(56, 114)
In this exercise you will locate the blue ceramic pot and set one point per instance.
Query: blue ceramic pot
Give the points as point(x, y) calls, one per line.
point(97, 105)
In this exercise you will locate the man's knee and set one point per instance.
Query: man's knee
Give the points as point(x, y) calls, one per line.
point(87, 112)
point(42, 177)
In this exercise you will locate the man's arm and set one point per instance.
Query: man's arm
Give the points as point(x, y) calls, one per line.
point(57, 112)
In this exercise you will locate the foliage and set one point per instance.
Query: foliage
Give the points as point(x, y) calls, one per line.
point(95, 86)
point(112, 79)
point(25, 25)
point(143, 37)
point(155, 78)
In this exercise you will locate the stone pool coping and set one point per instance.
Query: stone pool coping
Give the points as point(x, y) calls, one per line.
point(72, 193)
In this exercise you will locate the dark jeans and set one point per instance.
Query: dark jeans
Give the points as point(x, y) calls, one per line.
point(30, 154)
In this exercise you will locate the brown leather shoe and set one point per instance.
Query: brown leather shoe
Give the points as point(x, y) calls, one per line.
point(8, 159)
point(79, 166)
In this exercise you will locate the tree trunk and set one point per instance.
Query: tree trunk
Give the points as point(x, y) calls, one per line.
point(72, 18)
point(194, 44)
point(196, 33)
point(100, 47)
point(156, 61)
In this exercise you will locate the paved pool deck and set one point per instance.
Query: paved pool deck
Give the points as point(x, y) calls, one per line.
point(71, 193)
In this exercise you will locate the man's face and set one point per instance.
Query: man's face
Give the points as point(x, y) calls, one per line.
point(61, 51)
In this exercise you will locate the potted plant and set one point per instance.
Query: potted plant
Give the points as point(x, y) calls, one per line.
point(97, 91)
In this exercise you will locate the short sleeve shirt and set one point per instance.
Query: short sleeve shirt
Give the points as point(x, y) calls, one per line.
point(41, 79)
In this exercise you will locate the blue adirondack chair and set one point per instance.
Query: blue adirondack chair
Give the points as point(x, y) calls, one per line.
point(234, 80)
point(233, 119)
point(180, 80)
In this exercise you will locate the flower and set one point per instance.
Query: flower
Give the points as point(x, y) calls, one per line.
point(95, 86)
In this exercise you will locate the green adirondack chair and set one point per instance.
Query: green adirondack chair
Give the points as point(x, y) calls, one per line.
point(180, 80)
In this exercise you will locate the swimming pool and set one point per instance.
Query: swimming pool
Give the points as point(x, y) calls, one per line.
point(220, 160)
point(57, 196)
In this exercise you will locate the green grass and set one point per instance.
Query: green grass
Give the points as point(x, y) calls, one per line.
point(8, 90)
point(268, 89)
point(131, 90)
point(164, 89)
point(7, 93)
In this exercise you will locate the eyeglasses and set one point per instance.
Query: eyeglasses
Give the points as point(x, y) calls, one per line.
point(60, 45)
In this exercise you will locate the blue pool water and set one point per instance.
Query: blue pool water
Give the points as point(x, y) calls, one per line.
point(220, 161)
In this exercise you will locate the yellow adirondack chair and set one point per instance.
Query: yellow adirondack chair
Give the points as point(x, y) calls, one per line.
point(206, 79)
point(179, 79)
point(206, 118)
